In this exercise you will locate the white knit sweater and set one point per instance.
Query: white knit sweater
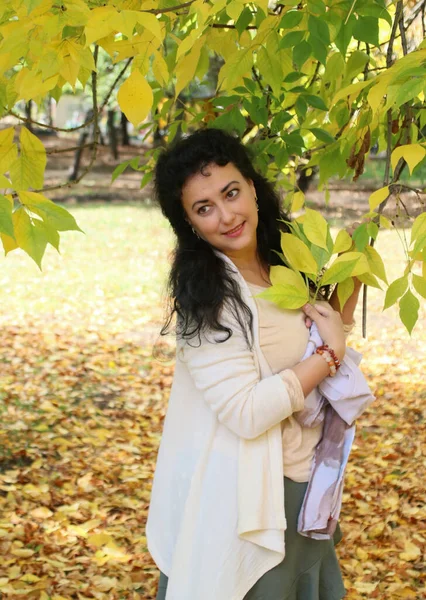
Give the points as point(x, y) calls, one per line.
point(216, 520)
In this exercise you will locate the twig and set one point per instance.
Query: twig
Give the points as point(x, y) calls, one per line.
point(71, 149)
point(402, 32)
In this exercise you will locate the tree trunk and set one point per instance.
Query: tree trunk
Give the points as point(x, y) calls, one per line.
point(49, 111)
point(77, 156)
point(125, 139)
point(112, 134)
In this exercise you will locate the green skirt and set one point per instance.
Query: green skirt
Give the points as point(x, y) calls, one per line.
point(309, 571)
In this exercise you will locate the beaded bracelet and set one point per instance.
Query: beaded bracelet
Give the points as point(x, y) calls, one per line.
point(330, 357)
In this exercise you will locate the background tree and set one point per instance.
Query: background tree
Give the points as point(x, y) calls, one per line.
point(311, 86)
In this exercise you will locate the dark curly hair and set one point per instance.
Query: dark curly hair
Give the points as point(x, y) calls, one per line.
point(200, 283)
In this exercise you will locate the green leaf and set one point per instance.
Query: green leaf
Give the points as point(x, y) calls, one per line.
point(395, 291)
point(6, 223)
point(119, 169)
point(376, 263)
point(322, 135)
point(318, 48)
point(360, 237)
point(315, 101)
point(344, 291)
point(28, 237)
point(280, 119)
point(409, 310)
point(291, 19)
point(243, 20)
point(315, 228)
point(374, 10)
point(301, 108)
point(409, 90)
point(356, 64)
point(366, 30)
point(419, 285)
point(321, 256)
point(293, 76)
point(343, 38)
point(372, 229)
point(291, 39)
point(57, 217)
point(298, 254)
point(301, 53)
point(319, 29)
point(316, 7)
point(343, 242)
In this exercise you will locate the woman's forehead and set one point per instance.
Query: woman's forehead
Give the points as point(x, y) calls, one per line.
point(211, 179)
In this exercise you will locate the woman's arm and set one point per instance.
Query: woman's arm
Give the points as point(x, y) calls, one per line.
point(349, 308)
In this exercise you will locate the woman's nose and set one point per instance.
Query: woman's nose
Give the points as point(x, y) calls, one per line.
point(226, 215)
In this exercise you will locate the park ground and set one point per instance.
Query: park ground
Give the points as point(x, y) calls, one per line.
point(83, 403)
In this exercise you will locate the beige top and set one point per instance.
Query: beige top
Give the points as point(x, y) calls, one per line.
point(283, 340)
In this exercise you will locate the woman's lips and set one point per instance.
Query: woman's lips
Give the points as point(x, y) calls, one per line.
point(236, 231)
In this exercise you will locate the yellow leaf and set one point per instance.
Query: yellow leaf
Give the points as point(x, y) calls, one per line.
point(8, 150)
point(9, 243)
point(160, 69)
point(150, 22)
point(298, 201)
point(186, 67)
point(29, 578)
point(42, 512)
point(315, 228)
point(102, 21)
point(343, 242)
point(69, 70)
point(378, 196)
point(384, 222)
point(298, 254)
point(352, 90)
point(135, 98)
point(411, 153)
point(347, 265)
point(22, 552)
point(53, 215)
point(28, 170)
point(376, 263)
point(411, 552)
point(99, 539)
point(344, 291)
point(419, 227)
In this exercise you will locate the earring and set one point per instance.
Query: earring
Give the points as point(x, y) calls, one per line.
point(257, 205)
point(195, 233)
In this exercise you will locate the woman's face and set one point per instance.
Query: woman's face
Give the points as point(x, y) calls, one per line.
point(220, 205)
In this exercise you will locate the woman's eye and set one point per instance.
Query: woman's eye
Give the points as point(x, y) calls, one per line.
point(231, 192)
point(201, 211)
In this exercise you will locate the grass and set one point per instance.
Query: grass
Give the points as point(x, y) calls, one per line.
point(114, 273)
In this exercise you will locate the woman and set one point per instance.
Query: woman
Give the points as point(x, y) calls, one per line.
point(234, 463)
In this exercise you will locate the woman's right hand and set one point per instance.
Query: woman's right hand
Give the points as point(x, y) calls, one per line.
point(330, 326)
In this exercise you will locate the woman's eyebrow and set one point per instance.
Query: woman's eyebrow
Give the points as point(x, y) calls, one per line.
point(221, 191)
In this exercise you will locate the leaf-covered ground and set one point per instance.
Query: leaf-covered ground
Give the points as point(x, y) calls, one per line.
point(82, 406)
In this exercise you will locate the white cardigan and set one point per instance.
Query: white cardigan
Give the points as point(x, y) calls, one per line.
point(216, 520)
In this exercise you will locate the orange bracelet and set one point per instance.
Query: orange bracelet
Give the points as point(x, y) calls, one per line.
point(330, 357)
